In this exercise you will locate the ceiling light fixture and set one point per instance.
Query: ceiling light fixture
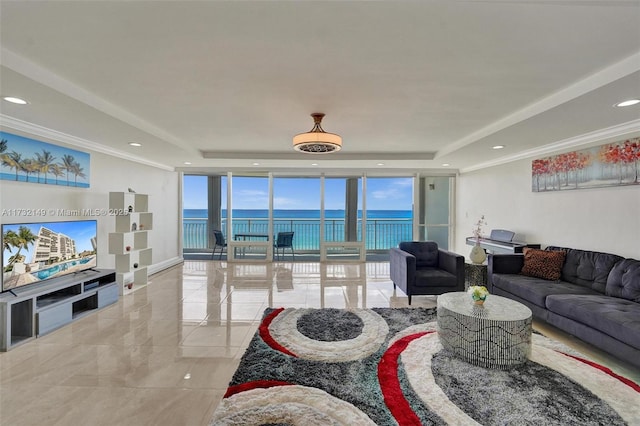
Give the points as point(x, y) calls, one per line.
point(445, 164)
point(380, 164)
point(256, 164)
point(316, 140)
point(498, 147)
point(136, 144)
point(15, 100)
point(188, 163)
point(314, 164)
point(628, 102)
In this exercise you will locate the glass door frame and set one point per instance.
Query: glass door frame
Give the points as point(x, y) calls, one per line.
point(232, 244)
point(325, 246)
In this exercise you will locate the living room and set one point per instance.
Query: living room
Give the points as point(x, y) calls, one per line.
point(99, 77)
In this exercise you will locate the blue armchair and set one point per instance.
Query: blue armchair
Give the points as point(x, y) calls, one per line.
point(421, 268)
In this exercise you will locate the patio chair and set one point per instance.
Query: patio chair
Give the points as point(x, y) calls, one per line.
point(282, 241)
point(219, 242)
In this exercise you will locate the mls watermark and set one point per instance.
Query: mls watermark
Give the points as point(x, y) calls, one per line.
point(60, 212)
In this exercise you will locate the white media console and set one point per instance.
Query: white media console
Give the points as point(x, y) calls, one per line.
point(36, 310)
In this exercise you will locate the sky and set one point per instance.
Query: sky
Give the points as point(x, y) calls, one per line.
point(301, 193)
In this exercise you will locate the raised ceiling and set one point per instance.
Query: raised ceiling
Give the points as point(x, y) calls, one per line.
point(412, 85)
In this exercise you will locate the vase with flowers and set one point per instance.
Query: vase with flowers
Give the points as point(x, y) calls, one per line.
point(478, 294)
point(478, 255)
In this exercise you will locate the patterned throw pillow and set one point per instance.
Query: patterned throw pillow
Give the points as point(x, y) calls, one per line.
point(545, 264)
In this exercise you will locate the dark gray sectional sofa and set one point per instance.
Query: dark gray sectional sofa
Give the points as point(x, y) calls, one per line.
point(597, 298)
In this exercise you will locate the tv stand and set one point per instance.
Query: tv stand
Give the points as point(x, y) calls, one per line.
point(41, 308)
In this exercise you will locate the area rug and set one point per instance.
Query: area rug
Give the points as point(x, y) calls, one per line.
point(386, 367)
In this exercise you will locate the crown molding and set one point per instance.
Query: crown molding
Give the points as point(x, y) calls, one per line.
point(336, 156)
point(54, 135)
point(608, 75)
point(48, 78)
point(621, 130)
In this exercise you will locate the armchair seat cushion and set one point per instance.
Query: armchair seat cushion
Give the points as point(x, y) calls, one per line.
point(433, 277)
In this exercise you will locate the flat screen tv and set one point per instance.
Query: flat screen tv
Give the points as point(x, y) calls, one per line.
point(34, 252)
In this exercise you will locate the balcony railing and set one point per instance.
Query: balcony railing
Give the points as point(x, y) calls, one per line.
point(381, 234)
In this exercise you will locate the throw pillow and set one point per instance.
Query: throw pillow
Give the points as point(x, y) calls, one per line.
point(545, 264)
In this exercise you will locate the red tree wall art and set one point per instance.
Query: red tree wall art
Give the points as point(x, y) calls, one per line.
point(606, 165)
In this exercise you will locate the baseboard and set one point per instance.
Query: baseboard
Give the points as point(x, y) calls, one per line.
point(165, 264)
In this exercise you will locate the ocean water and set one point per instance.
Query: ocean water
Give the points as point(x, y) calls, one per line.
point(299, 214)
point(385, 228)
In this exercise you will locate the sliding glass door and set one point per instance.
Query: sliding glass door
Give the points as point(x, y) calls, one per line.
point(435, 195)
point(249, 235)
point(331, 217)
point(296, 208)
point(389, 212)
point(342, 220)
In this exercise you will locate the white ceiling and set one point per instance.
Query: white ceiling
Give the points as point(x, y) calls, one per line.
point(227, 84)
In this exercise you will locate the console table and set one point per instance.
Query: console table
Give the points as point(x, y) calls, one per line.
point(38, 309)
point(494, 335)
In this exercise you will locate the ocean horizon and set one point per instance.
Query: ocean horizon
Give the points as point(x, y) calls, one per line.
point(298, 214)
point(384, 227)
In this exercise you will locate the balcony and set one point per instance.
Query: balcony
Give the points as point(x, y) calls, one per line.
point(381, 234)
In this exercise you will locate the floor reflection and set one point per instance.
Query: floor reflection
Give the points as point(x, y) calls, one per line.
point(164, 354)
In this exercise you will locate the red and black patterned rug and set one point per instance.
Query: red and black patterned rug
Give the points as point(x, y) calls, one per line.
point(385, 366)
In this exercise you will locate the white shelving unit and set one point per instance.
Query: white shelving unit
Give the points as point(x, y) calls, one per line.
point(129, 243)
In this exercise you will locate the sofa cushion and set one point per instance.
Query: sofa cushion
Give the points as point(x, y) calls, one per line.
point(535, 290)
point(545, 264)
point(624, 280)
point(425, 252)
point(434, 277)
point(618, 318)
point(587, 268)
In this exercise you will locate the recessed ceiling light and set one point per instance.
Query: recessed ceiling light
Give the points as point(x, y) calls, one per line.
point(380, 164)
point(314, 164)
point(135, 144)
point(15, 100)
point(445, 164)
point(256, 164)
point(498, 147)
point(188, 163)
point(628, 102)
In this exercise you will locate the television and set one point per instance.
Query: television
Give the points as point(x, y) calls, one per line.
point(39, 251)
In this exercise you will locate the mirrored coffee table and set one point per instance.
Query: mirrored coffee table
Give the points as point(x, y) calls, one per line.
point(495, 335)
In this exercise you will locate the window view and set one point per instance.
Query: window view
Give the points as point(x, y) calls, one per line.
point(296, 208)
point(389, 212)
point(249, 217)
point(195, 213)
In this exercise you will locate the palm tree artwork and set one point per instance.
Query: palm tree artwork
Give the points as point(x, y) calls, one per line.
point(67, 164)
point(45, 161)
point(28, 160)
point(77, 170)
point(14, 161)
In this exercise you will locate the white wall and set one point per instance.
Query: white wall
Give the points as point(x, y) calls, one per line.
point(604, 219)
point(107, 174)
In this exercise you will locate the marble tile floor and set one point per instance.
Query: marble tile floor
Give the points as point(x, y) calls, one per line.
point(164, 354)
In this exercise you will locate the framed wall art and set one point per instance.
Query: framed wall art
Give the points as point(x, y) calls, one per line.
point(27, 160)
point(613, 164)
